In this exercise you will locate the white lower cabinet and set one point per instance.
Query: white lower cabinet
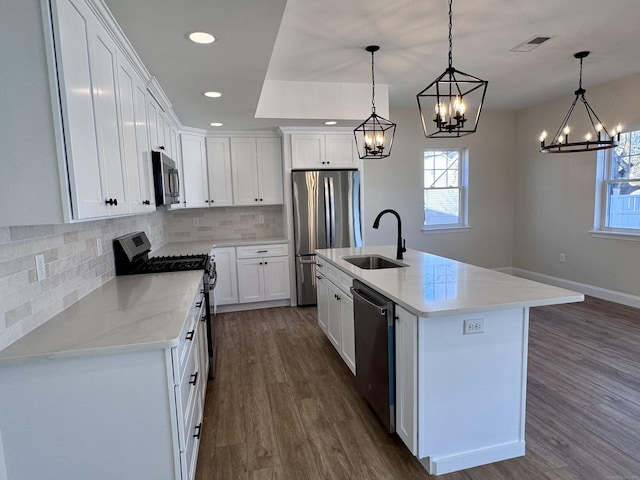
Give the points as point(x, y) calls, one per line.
point(263, 273)
point(226, 291)
point(406, 343)
point(322, 295)
point(339, 313)
point(122, 413)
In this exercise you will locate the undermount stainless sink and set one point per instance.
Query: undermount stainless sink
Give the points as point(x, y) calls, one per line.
point(372, 262)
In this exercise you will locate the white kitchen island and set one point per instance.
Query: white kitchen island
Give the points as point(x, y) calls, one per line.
point(461, 338)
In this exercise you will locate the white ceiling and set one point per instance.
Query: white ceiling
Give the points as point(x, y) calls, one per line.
point(324, 40)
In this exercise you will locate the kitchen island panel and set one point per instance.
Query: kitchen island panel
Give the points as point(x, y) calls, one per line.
point(472, 389)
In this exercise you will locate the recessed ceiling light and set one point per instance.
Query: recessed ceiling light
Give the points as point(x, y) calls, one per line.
point(201, 37)
point(212, 94)
point(330, 122)
point(216, 124)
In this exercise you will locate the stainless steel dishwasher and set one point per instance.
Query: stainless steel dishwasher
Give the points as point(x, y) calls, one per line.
point(374, 317)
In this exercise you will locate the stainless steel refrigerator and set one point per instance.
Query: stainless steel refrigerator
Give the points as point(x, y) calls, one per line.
point(326, 214)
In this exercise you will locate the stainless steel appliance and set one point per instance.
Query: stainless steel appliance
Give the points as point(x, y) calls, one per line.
point(131, 254)
point(326, 214)
point(166, 180)
point(374, 322)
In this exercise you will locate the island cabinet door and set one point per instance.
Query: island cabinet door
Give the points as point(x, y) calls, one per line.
point(406, 378)
point(334, 320)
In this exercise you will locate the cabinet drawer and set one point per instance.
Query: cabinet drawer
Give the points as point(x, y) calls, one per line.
point(190, 379)
point(339, 278)
point(321, 266)
point(189, 456)
point(259, 251)
point(187, 340)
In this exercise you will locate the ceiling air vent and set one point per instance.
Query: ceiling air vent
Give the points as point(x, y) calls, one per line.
point(530, 44)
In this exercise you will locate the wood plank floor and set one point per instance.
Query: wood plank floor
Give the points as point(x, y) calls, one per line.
point(283, 405)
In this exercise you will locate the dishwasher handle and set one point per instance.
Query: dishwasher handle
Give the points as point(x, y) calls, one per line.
point(382, 309)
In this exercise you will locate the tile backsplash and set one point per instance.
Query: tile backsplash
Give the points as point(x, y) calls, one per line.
point(72, 264)
point(230, 223)
point(74, 268)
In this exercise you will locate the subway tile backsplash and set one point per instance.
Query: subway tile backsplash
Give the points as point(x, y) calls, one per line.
point(74, 268)
point(72, 265)
point(230, 223)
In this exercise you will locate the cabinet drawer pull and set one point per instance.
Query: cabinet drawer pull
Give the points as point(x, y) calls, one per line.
point(199, 304)
point(190, 334)
point(194, 378)
point(146, 202)
point(203, 318)
point(198, 429)
point(262, 251)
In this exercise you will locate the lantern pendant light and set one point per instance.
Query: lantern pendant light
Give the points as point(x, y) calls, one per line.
point(598, 138)
point(374, 136)
point(454, 100)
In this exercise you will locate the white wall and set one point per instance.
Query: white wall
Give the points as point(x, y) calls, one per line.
point(396, 182)
point(555, 194)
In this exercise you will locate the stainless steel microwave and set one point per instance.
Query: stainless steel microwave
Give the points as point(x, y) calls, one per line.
point(166, 179)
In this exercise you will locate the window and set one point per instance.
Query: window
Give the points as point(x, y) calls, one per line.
point(619, 199)
point(445, 173)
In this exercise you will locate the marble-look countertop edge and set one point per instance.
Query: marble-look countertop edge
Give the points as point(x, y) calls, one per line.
point(442, 308)
point(128, 313)
point(205, 246)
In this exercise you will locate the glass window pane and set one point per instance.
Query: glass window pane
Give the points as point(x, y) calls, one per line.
point(442, 207)
point(623, 205)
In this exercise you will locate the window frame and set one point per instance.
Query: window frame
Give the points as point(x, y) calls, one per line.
point(601, 209)
point(463, 192)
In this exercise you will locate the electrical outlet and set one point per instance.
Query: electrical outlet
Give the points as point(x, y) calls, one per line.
point(40, 270)
point(196, 222)
point(563, 258)
point(260, 218)
point(99, 246)
point(474, 326)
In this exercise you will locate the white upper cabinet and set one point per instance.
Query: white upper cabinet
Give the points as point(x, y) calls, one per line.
point(135, 138)
point(320, 150)
point(256, 165)
point(88, 72)
point(219, 172)
point(194, 164)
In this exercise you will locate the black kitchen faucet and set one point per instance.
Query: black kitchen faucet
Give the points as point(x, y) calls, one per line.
point(401, 242)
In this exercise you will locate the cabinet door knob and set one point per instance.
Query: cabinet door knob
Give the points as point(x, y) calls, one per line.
point(161, 147)
point(111, 201)
point(260, 199)
point(146, 202)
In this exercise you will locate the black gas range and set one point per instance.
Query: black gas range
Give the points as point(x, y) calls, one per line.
point(131, 254)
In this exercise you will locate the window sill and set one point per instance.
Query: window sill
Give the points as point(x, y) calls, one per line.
point(427, 231)
point(630, 236)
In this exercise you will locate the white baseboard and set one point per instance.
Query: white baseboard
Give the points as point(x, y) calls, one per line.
point(454, 463)
point(238, 307)
point(598, 292)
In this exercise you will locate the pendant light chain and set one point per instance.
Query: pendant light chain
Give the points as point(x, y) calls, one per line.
point(450, 34)
point(373, 86)
point(580, 83)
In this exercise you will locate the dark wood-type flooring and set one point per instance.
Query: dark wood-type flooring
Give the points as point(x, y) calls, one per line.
point(283, 404)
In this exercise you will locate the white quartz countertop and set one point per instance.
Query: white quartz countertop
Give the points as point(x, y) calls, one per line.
point(434, 286)
point(204, 246)
point(131, 312)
